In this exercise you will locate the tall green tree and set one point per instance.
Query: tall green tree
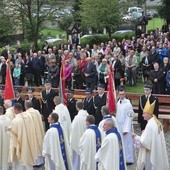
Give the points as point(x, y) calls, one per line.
point(100, 14)
point(31, 14)
point(164, 10)
point(6, 26)
point(76, 14)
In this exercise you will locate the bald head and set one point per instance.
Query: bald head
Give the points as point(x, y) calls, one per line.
point(7, 104)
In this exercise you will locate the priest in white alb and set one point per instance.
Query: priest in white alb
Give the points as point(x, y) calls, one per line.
point(106, 115)
point(78, 127)
point(111, 154)
point(56, 147)
point(89, 144)
point(22, 136)
point(64, 115)
point(153, 152)
point(38, 130)
point(4, 140)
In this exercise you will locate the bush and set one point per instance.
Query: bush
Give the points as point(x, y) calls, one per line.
point(97, 39)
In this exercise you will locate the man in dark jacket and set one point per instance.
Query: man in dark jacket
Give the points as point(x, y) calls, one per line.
point(89, 102)
point(90, 74)
point(18, 97)
point(37, 69)
point(99, 101)
point(156, 76)
point(71, 104)
point(47, 97)
point(34, 100)
point(142, 102)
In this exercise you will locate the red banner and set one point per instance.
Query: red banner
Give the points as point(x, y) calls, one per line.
point(9, 89)
point(111, 93)
point(62, 89)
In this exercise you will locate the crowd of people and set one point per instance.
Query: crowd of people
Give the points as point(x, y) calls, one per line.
point(82, 135)
point(87, 66)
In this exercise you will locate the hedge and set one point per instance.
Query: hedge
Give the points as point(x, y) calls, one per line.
point(26, 46)
point(97, 39)
point(94, 39)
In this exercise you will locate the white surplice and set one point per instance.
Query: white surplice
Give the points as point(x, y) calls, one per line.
point(64, 118)
point(87, 147)
point(153, 153)
point(108, 154)
point(52, 151)
point(4, 142)
point(124, 119)
point(78, 127)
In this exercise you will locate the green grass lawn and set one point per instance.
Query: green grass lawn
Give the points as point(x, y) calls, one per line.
point(47, 32)
point(155, 23)
point(135, 89)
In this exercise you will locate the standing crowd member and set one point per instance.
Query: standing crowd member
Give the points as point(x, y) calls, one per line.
point(88, 102)
point(142, 103)
point(48, 105)
point(99, 101)
point(156, 76)
point(71, 104)
point(124, 119)
point(33, 99)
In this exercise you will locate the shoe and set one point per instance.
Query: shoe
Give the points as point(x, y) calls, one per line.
point(129, 163)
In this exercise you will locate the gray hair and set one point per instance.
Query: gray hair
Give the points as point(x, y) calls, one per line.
point(110, 122)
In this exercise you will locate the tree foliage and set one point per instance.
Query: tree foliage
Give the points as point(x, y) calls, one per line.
point(65, 22)
point(100, 14)
point(164, 10)
point(76, 14)
point(30, 15)
point(6, 26)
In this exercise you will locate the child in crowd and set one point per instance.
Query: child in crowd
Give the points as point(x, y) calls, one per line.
point(16, 74)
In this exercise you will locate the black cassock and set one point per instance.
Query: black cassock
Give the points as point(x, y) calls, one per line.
point(142, 102)
point(98, 103)
point(89, 106)
point(71, 105)
point(48, 104)
point(36, 104)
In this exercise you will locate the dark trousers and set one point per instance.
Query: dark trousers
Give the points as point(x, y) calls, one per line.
point(131, 73)
point(90, 85)
point(37, 77)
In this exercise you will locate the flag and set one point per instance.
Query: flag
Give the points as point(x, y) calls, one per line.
point(62, 89)
point(111, 92)
point(9, 89)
